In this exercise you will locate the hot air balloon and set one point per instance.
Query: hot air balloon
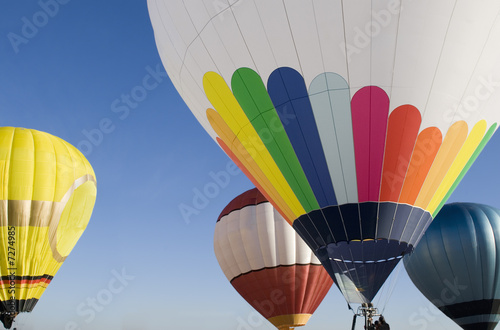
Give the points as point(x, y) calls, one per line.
point(47, 194)
point(267, 262)
point(356, 119)
point(457, 264)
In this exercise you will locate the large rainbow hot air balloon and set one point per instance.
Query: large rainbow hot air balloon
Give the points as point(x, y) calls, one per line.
point(47, 194)
point(457, 264)
point(267, 262)
point(356, 119)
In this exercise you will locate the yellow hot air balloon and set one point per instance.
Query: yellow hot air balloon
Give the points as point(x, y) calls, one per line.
point(47, 193)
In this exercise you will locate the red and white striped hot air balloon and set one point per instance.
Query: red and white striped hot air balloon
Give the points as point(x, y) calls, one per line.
point(267, 262)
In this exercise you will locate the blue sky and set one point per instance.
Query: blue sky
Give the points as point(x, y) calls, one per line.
point(90, 73)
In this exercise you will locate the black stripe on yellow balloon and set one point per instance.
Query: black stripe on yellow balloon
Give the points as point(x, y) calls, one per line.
point(45, 277)
point(18, 305)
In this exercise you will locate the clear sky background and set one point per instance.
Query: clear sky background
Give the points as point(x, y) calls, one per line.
point(70, 69)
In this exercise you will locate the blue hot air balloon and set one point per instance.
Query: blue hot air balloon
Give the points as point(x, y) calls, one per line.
point(457, 264)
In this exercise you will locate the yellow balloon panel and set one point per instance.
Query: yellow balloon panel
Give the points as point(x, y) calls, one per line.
point(75, 217)
point(47, 194)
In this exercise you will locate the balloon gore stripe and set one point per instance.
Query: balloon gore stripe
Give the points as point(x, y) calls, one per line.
point(370, 110)
point(310, 149)
point(288, 92)
point(347, 171)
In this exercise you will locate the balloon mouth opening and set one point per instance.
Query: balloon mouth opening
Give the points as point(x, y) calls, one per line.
point(360, 268)
point(7, 319)
point(364, 252)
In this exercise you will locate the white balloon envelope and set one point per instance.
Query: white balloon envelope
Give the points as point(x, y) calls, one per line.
point(356, 119)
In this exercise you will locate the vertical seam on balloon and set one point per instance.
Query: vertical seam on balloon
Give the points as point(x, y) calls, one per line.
point(6, 167)
point(424, 228)
point(265, 33)
point(475, 67)
point(290, 99)
point(293, 39)
point(496, 279)
point(343, 224)
point(345, 47)
point(484, 254)
point(182, 57)
point(406, 225)
point(350, 107)
point(315, 228)
point(335, 131)
point(10, 163)
point(221, 224)
point(395, 49)
point(443, 245)
point(439, 60)
point(317, 34)
point(259, 239)
point(348, 273)
point(326, 80)
point(407, 167)
point(198, 36)
point(242, 37)
point(274, 177)
point(417, 140)
point(282, 164)
point(299, 305)
point(328, 225)
point(38, 267)
point(22, 256)
point(471, 219)
point(240, 240)
point(418, 234)
point(360, 220)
